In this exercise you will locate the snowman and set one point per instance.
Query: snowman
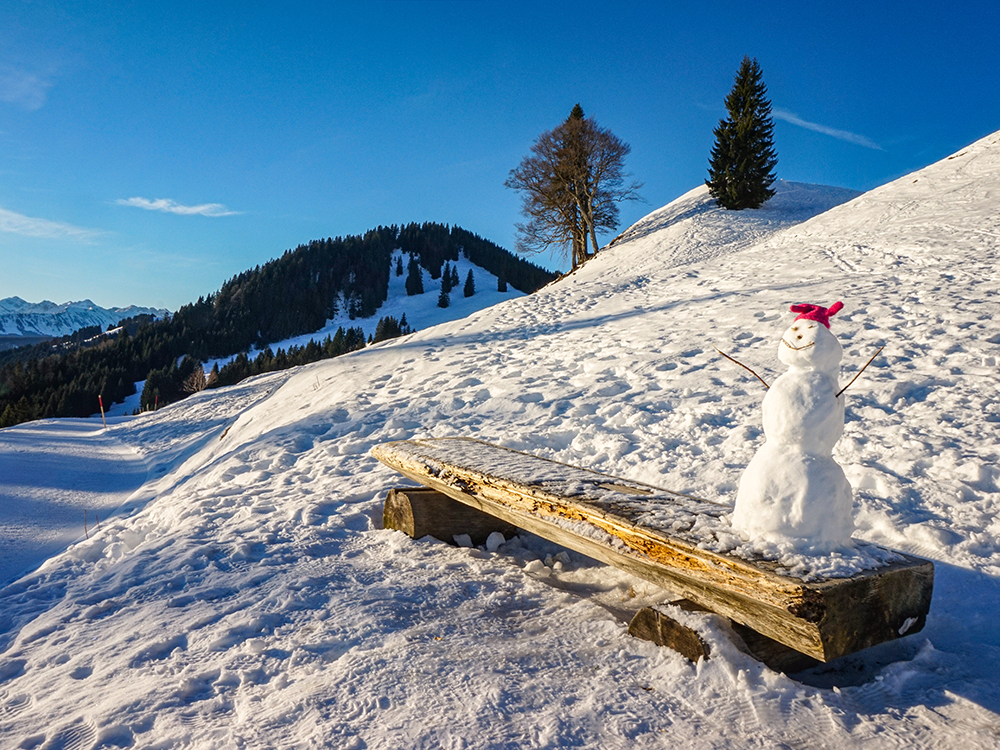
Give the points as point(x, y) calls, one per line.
point(793, 492)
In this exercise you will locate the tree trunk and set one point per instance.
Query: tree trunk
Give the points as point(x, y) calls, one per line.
point(593, 234)
point(587, 219)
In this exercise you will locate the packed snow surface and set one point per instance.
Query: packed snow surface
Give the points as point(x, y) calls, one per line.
point(247, 596)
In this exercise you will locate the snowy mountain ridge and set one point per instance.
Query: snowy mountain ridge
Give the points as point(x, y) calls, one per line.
point(21, 318)
point(246, 595)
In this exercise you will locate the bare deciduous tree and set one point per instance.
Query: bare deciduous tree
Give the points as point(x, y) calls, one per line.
point(572, 183)
point(196, 381)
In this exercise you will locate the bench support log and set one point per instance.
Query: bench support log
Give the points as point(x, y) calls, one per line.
point(654, 625)
point(421, 511)
point(776, 656)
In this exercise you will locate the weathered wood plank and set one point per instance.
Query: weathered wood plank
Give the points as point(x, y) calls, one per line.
point(421, 511)
point(659, 536)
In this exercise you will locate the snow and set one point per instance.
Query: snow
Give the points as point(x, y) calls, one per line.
point(20, 318)
point(245, 595)
point(74, 470)
point(494, 541)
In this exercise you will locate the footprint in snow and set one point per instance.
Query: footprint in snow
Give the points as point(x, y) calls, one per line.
point(81, 673)
point(15, 704)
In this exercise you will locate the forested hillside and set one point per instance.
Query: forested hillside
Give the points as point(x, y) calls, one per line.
point(291, 295)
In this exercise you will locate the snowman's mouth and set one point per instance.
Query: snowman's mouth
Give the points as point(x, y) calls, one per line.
point(798, 348)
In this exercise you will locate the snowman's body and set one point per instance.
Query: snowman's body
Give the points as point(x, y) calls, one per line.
point(793, 491)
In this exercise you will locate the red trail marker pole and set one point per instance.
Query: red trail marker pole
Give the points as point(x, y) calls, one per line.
point(101, 402)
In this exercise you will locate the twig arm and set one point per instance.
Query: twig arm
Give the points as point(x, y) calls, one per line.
point(858, 373)
point(743, 366)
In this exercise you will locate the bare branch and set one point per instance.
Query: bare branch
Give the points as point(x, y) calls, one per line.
point(744, 367)
point(858, 374)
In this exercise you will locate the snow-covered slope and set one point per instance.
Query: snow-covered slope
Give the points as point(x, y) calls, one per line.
point(421, 310)
point(941, 216)
point(20, 318)
point(246, 596)
point(692, 228)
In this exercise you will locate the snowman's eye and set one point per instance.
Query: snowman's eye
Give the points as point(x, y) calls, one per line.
point(795, 328)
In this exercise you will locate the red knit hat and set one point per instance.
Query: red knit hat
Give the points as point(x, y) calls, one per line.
point(817, 313)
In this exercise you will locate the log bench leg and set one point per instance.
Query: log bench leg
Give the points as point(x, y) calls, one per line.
point(776, 656)
point(651, 624)
point(420, 512)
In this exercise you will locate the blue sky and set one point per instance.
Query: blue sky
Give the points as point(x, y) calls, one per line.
point(150, 151)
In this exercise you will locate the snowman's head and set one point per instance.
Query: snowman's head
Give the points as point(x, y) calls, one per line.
point(808, 343)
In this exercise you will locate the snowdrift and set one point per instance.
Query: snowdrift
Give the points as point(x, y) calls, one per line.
point(246, 595)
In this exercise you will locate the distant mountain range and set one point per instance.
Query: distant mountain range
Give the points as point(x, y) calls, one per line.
point(21, 322)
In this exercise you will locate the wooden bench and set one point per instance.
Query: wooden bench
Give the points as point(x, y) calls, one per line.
point(668, 539)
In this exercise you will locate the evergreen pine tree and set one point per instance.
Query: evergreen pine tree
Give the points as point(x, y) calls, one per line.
point(443, 299)
point(501, 284)
point(414, 278)
point(470, 285)
point(740, 172)
point(339, 343)
point(399, 266)
point(354, 308)
point(454, 277)
point(388, 328)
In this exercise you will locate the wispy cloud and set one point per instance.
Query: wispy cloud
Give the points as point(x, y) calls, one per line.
point(143, 258)
point(29, 226)
point(843, 135)
point(26, 90)
point(172, 207)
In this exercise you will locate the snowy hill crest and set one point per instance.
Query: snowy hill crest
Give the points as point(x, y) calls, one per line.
point(940, 215)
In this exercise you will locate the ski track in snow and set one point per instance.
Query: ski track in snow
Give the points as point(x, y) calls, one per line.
point(58, 480)
point(247, 596)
